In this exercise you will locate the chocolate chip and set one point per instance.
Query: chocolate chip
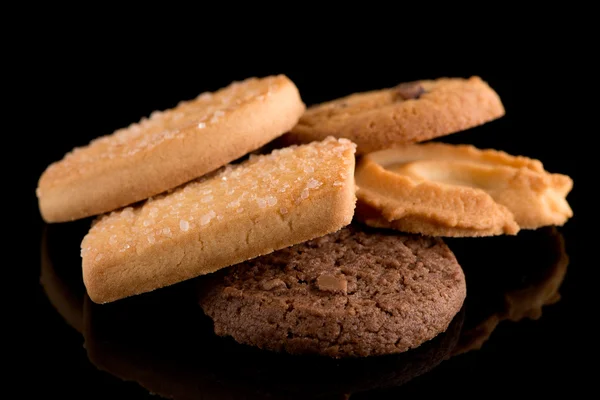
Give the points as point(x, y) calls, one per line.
point(330, 283)
point(409, 90)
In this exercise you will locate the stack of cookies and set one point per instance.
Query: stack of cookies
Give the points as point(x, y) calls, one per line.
point(331, 242)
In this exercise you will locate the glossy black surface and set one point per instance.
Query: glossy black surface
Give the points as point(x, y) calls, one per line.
point(161, 343)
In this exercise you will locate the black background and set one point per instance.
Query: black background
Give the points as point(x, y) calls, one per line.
point(91, 90)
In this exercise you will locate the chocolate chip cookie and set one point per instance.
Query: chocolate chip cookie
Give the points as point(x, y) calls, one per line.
point(355, 292)
point(407, 113)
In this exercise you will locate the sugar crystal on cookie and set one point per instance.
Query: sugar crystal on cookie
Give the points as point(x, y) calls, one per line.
point(271, 200)
point(184, 225)
point(313, 183)
point(304, 194)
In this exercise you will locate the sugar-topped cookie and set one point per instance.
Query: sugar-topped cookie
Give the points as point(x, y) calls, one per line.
point(240, 212)
point(168, 149)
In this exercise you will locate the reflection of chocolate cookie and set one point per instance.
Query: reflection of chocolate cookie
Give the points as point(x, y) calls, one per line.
point(163, 342)
point(410, 112)
point(351, 293)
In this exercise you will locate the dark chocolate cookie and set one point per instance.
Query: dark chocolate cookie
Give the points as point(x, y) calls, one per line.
point(356, 292)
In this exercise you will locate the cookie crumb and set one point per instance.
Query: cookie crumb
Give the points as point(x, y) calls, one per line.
point(272, 284)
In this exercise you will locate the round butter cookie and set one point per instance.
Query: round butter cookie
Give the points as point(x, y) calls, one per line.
point(169, 148)
point(355, 292)
point(410, 112)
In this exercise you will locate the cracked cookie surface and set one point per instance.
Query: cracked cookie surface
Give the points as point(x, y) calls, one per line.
point(407, 113)
point(355, 292)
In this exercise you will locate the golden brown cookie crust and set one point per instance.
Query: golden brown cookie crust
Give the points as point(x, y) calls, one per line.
point(168, 149)
point(458, 190)
point(261, 205)
point(410, 112)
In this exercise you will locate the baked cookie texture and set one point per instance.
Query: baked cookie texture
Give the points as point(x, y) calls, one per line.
point(239, 212)
point(168, 149)
point(410, 112)
point(355, 292)
point(440, 189)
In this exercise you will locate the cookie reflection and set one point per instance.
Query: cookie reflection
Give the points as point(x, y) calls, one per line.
point(508, 279)
point(162, 341)
point(60, 271)
point(167, 345)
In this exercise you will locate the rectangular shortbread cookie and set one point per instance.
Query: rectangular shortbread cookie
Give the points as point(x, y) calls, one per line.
point(168, 149)
point(237, 213)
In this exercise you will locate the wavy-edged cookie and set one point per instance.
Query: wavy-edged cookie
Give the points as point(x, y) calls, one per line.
point(168, 149)
point(440, 189)
point(407, 113)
